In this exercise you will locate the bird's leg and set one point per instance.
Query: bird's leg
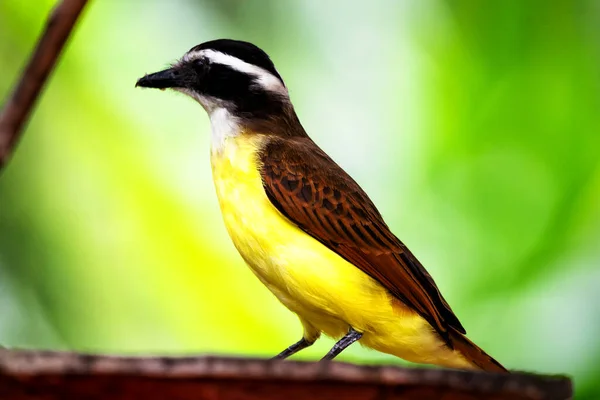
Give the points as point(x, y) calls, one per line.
point(293, 349)
point(351, 337)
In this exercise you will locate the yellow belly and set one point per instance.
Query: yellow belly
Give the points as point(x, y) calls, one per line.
point(327, 293)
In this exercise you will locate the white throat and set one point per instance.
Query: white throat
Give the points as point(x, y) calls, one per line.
point(224, 126)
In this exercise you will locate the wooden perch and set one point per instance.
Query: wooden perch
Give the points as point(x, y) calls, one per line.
point(29, 375)
point(17, 108)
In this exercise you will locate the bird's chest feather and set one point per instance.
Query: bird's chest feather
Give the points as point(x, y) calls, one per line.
point(284, 257)
point(305, 275)
point(257, 229)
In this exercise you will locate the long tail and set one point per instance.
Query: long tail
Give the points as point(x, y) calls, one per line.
point(474, 354)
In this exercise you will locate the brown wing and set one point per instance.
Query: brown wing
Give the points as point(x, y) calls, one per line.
point(311, 190)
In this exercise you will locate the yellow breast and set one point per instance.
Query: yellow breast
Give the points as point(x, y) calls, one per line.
point(328, 293)
point(306, 276)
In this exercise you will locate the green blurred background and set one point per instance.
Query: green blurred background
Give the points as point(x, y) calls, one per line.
point(473, 125)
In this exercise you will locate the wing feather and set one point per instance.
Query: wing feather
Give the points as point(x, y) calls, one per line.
point(313, 192)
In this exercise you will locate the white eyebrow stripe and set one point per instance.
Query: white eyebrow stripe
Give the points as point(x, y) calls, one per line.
point(264, 78)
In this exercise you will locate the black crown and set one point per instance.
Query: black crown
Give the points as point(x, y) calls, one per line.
point(245, 51)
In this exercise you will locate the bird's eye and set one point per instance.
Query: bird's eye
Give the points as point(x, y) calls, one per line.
point(201, 65)
point(201, 62)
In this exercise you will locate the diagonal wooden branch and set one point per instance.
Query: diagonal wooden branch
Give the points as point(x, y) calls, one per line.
point(19, 104)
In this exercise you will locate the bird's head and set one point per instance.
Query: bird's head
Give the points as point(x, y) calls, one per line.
point(226, 74)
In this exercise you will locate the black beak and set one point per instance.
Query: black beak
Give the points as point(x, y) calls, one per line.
point(168, 78)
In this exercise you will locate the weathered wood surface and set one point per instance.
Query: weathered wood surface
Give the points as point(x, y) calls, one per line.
point(28, 375)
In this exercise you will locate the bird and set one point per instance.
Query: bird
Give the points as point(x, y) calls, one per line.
point(304, 227)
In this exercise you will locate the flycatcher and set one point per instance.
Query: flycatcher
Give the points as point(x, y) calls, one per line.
point(304, 226)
